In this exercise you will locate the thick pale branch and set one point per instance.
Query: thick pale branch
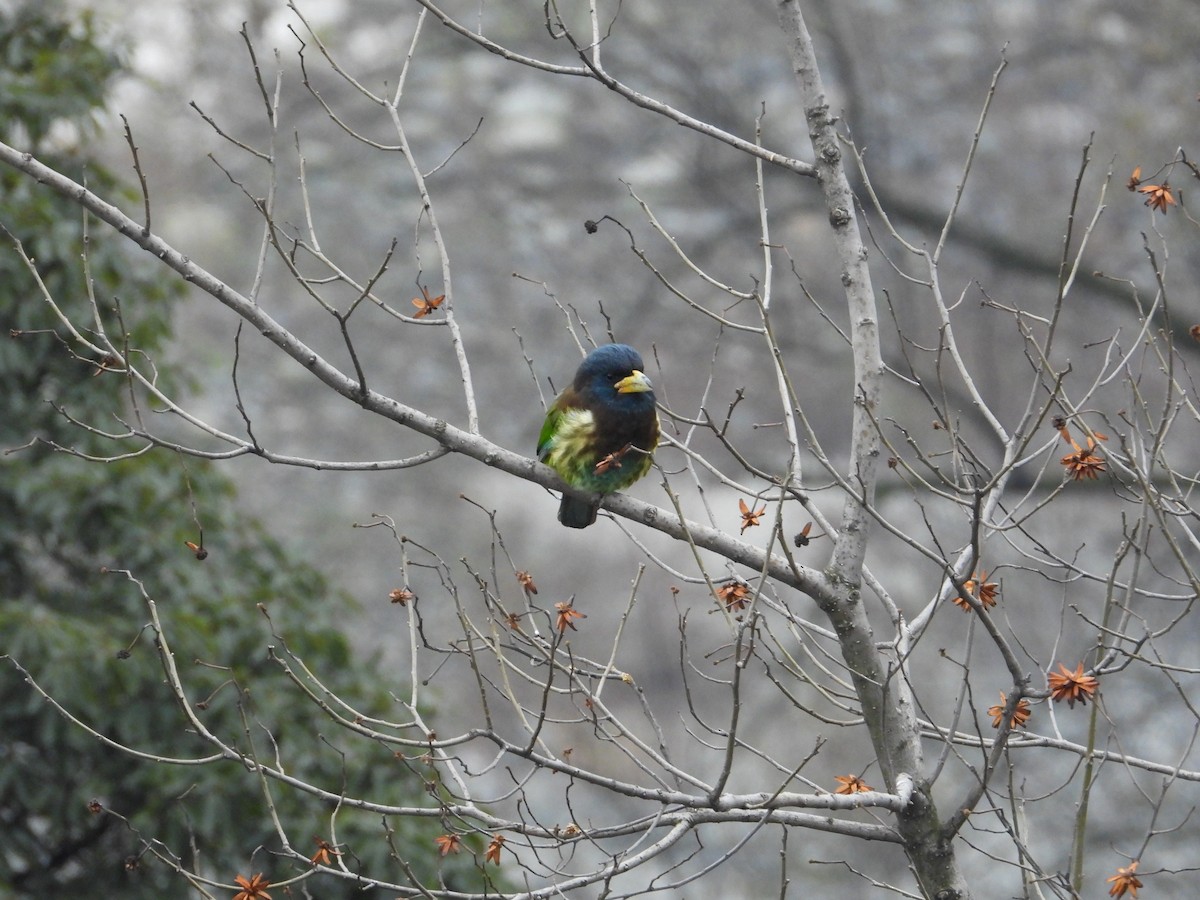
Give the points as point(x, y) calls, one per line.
point(456, 440)
point(886, 701)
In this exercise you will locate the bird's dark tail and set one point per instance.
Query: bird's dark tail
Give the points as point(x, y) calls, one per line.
point(576, 513)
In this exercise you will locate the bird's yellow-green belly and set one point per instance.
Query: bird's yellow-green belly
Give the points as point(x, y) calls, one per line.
point(575, 454)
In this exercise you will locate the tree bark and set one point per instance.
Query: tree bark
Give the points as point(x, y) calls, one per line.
point(879, 682)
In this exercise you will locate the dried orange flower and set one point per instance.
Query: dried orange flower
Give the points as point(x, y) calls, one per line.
point(252, 889)
point(565, 614)
point(324, 851)
point(981, 589)
point(1020, 715)
point(426, 304)
point(401, 595)
point(448, 843)
point(802, 539)
point(1194, 331)
point(750, 516)
point(613, 460)
point(734, 594)
point(1158, 196)
point(1084, 463)
point(1135, 179)
point(1072, 686)
point(851, 784)
point(526, 581)
point(493, 849)
point(1125, 881)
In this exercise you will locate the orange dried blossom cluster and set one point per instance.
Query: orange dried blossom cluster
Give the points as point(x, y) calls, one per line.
point(1158, 196)
point(735, 595)
point(492, 854)
point(426, 304)
point(1020, 715)
point(1072, 686)
point(851, 784)
point(750, 515)
point(1082, 462)
point(325, 852)
point(252, 888)
point(566, 613)
point(981, 589)
point(1125, 881)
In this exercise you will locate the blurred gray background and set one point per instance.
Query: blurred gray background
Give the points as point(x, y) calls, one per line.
point(550, 153)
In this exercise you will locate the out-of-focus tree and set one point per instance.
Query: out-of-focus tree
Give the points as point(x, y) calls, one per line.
point(977, 553)
point(80, 817)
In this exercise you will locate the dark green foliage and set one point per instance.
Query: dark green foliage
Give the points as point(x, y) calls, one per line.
point(52, 71)
point(64, 519)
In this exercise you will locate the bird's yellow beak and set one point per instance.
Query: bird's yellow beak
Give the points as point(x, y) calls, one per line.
point(634, 384)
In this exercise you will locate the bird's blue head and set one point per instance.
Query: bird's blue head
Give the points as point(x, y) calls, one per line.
point(612, 374)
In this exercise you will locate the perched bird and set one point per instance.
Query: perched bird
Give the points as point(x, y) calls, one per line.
point(600, 431)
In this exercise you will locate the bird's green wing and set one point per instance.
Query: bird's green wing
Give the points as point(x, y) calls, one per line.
point(553, 415)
